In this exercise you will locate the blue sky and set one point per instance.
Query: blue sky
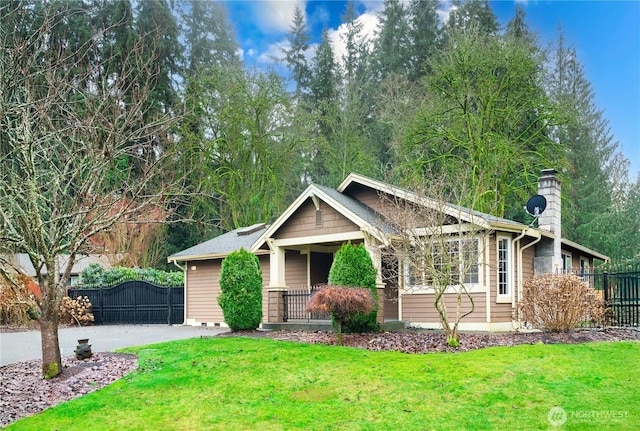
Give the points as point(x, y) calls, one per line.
point(606, 35)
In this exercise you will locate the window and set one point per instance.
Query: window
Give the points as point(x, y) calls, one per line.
point(446, 262)
point(566, 263)
point(584, 268)
point(73, 280)
point(504, 266)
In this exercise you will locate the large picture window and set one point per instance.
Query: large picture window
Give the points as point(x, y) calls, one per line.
point(445, 262)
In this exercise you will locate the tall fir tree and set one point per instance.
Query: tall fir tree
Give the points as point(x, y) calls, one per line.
point(157, 25)
point(391, 48)
point(425, 35)
point(325, 112)
point(588, 146)
point(296, 55)
point(208, 38)
point(474, 15)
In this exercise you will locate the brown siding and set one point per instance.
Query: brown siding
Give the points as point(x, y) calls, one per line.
point(303, 222)
point(204, 288)
point(295, 268)
point(419, 308)
point(265, 264)
point(528, 256)
point(367, 196)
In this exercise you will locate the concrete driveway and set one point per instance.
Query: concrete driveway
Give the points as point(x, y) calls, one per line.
point(25, 346)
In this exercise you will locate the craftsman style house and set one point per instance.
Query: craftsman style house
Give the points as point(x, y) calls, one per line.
point(297, 250)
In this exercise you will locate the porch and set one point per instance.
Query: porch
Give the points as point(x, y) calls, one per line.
point(287, 311)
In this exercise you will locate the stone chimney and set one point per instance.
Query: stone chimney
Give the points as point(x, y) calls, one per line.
point(551, 221)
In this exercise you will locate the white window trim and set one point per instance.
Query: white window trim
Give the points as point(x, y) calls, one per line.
point(506, 297)
point(566, 270)
point(428, 289)
point(585, 270)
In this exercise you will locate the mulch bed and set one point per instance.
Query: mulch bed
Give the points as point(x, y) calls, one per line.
point(412, 341)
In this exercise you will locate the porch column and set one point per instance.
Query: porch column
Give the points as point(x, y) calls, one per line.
point(276, 267)
point(376, 257)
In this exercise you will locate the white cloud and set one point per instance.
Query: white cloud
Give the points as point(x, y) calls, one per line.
point(444, 10)
point(274, 53)
point(369, 22)
point(273, 16)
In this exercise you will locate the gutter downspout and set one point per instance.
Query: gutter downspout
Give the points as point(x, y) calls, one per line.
point(175, 262)
point(520, 250)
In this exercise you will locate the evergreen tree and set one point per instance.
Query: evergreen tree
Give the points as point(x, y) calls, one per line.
point(355, 45)
point(295, 56)
point(425, 35)
point(353, 149)
point(209, 42)
point(325, 112)
point(208, 37)
point(391, 52)
point(157, 25)
point(588, 146)
point(116, 38)
point(518, 29)
point(475, 15)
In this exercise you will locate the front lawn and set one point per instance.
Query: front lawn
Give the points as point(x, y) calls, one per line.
point(261, 384)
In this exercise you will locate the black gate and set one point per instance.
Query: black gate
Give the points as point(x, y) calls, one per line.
point(135, 302)
point(621, 292)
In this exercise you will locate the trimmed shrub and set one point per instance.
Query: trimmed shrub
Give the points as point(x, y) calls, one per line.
point(560, 302)
point(241, 285)
point(96, 276)
point(92, 274)
point(353, 267)
point(342, 303)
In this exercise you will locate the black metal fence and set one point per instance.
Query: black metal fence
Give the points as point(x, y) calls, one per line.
point(135, 302)
point(295, 301)
point(621, 292)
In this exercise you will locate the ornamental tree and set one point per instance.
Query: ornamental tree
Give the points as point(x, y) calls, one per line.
point(353, 267)
point(342, 303)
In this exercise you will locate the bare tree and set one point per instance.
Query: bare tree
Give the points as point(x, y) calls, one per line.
point(76, 157)
point(438, 245)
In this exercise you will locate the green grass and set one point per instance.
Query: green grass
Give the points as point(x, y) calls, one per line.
point(251, 384)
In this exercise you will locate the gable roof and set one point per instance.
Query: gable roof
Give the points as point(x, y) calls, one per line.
point(222, 245)
point(461, 213)
point(355, 211)
point(252, 238)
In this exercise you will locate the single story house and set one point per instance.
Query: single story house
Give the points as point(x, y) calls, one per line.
point(297, 251)
point(20, 262)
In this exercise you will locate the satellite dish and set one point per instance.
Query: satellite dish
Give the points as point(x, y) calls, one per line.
point(536, 205)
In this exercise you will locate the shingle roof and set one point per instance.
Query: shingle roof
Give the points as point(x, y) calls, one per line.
point(223, 244)
point(22, 261)
point(359, 209)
